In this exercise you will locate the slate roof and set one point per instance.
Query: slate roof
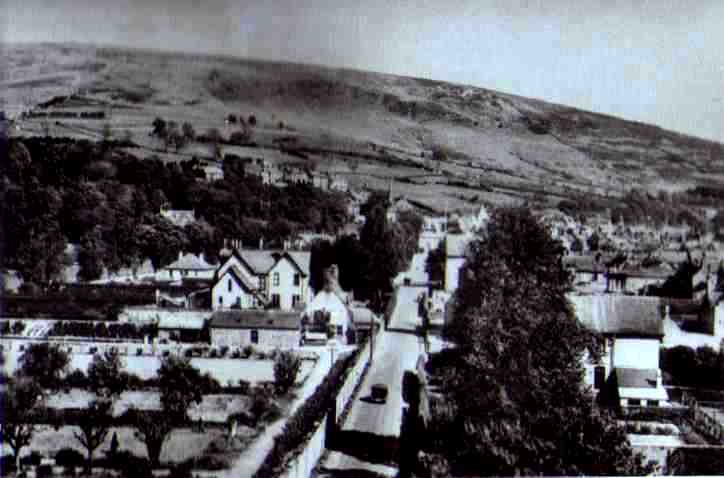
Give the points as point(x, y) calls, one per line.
point(262, 260)
point(256, 319)
point(455, 245)
point(190, 262)
point(623, 315)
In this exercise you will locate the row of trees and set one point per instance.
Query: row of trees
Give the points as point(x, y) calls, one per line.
point(40, 372)
point(515, 400)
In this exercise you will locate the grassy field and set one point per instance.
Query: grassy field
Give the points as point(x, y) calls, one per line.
point(359, 115)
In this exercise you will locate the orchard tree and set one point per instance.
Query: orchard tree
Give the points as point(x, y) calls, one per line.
point(106, 375)
point(94, 424)
point(44, 363)
point(152, 428)
point(18, 401)
point(517, 400)
point(179, 383)
point(286, 368)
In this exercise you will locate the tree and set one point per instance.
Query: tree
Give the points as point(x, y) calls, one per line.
point(44, 363)
point(106, 375)
point(152, 429)
point(159, 127)
point(286, 367)
point(178, 382)
point(94, 424)
point(520, 345)
point(213, 136)
point(593, 242)
point(252, 120)
point(435, 264)
point(18, 401)
point(90, 256)
point(188, 131)
point(107, 132)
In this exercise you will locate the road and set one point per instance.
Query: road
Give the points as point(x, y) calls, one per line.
point(368, 440)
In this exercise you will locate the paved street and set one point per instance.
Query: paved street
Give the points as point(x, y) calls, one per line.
point(369, 435)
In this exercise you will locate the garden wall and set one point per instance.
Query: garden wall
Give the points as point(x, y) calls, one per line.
point(146, 315)
point(301, 466)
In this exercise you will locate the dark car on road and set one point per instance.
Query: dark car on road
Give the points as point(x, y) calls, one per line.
point(379, 393)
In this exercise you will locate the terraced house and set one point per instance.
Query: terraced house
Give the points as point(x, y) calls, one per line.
point(262, 279)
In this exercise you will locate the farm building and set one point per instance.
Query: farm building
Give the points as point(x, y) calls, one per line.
point(265, 328)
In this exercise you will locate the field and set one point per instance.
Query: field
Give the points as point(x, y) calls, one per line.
point(377, 130)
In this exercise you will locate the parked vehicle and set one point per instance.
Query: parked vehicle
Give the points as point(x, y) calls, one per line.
point(379, 392)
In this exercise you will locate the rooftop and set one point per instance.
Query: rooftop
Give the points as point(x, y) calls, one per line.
point(612, 314)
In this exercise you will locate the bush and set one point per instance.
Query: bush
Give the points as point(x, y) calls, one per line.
point(33, 459)
point(43, 471)
point(247, 351)
point(7, 464)
point(76, 379)
point(69, 457)
point(244, 387)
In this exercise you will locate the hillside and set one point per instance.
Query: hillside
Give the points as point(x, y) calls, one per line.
point(491, 147)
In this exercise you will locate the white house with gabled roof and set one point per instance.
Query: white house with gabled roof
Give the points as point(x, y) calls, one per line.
point(187, 266)
point(262, 279)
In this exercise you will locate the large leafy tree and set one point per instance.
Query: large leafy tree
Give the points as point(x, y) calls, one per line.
point(152, 428)
point(44, 363)
point(180, 384)
point(519, 405)
point(94, 424)
point(18, 401)
point(106, 374)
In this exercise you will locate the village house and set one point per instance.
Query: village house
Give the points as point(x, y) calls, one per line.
point(187, 266)
point(455, 246)
point(179, 217)
point(627, 374)
point(262, 328)
point(329, 312)
point(262, 279)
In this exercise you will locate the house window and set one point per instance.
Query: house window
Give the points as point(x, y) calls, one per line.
point(340, 330)
point(296, 299)
point(599, 377)
point(254, 336)
point(297, 279)
point(275, 301)
point(652, 403)
point(275, 279)
point(634, 402)
point(229, 285)
point(221, 301)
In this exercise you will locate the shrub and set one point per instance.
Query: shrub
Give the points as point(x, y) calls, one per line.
point(244, 387)
point(69, 457)
point(44, 471)
point(223, 351)
point(286, 368)
point(7, 464)
point(33, 459)
point(247, 351)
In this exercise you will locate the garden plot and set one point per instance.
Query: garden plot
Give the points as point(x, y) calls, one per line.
point(182, 444)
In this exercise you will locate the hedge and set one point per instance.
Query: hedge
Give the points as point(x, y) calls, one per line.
point(303, 423)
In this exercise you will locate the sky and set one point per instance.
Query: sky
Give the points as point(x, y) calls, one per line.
point(656, 61)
